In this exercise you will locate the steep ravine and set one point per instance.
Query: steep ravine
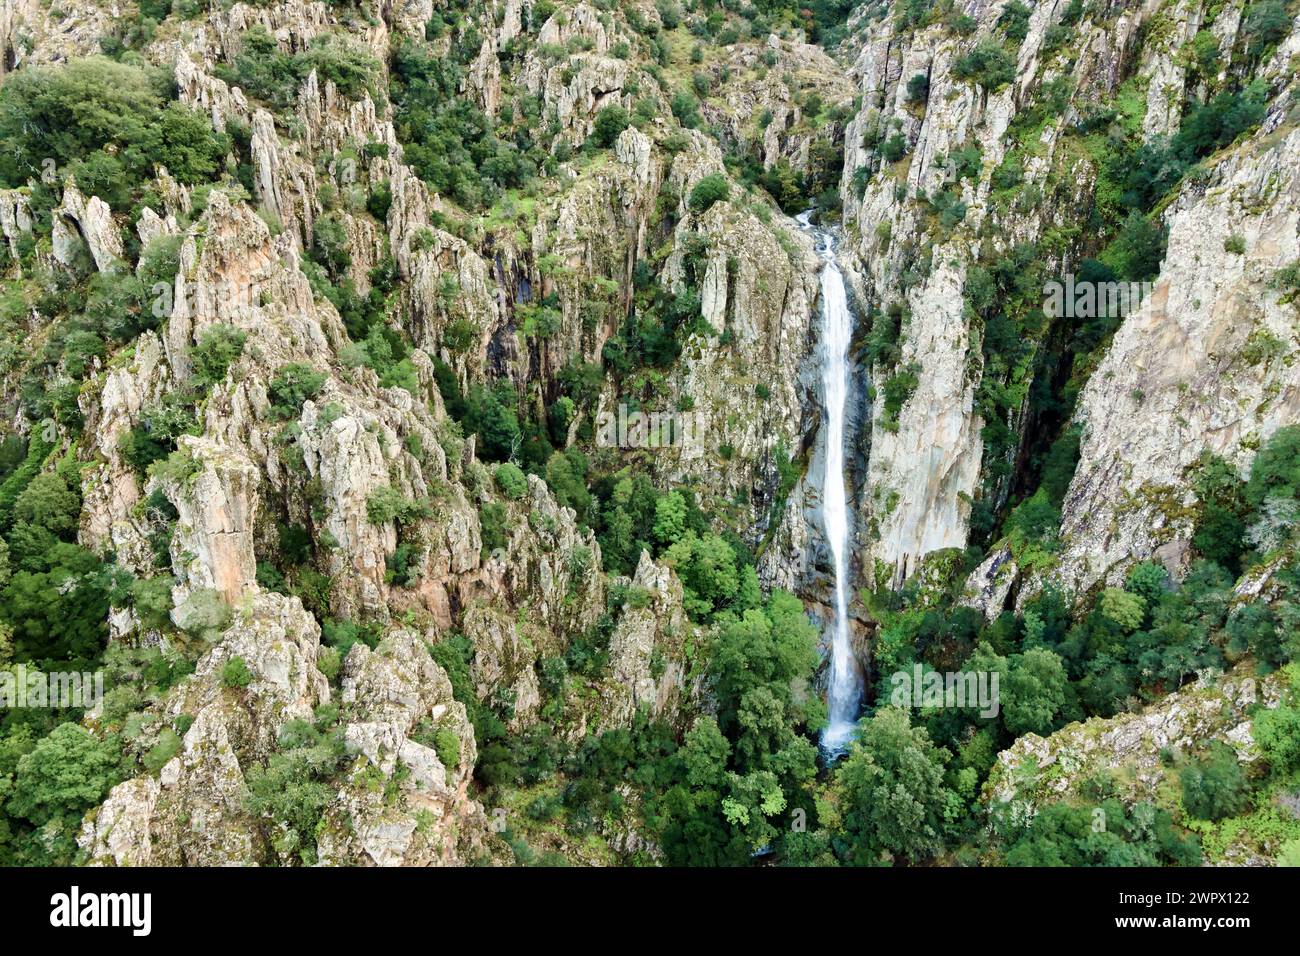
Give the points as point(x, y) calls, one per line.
point(351, 491)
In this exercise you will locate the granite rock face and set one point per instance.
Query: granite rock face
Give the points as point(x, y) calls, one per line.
point(413, 541)
point(1206, 364)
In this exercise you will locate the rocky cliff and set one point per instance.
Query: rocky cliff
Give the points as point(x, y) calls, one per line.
point(332, 399)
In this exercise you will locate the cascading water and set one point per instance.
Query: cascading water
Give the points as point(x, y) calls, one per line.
point(844, 690)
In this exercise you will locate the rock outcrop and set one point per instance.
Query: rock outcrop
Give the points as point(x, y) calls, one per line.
point(1206, 364)
point(647, 651)
point(407, 802)
point(194, 812)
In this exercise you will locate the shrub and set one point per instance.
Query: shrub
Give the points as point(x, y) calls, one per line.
point(1267, 23)
point(898, 388)
point(347, 65)
point(686, 109)
point(447, 743)
point(918, 88)
point(987, 64)
point(492, 520)
point(204, 614)
point(610, 122)
point(1136, 252)
point(448, 140)
point(380, 200)
point(235, 673)
point(1009, 175)
point(49, 504)
point(894, 148)
point(218, 348)
point(63, 776)
point(160, 261)
point(329, 245)
point(329, 662)
point(291, 387)
point(963, 24)
point(152, 600)
point(1275, 472)
point(401, 566)
point(510, 479)
point(72, 112)
point(386, 504)
point(292, 790)
point(1214, 787)
point(1278, 733)
point(711, 189)
point(1014, 21)
point(167, 747)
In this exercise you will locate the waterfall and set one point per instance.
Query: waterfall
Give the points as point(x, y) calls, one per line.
point(844, 690)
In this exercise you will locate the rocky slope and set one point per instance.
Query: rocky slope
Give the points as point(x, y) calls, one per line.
point(252, 466)
point(373, 309)
point(1144, 405)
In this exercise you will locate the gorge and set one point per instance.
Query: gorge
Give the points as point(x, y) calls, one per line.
point(310, 316)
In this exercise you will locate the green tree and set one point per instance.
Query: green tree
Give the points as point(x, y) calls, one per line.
point(1214, 787)
point(707, 567)
point(48, 503)
point(511, 480)
point(218, 348)
point(1035, 692)
point(64, 775)
point(293, 385)
point(610, 122)
point(670, 518)
point(1275, 472)
point(713, 188)
point(891, 791)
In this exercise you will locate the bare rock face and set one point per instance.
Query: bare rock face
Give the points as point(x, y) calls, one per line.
point(1207, 364)
point(759, 289)
point(576, 86)
point(404, 726)
point(119, 833)
point(91, 221)
point(214, 97)
point(928, 462)
point(1166, 70)
point(279, 641)
point(15, 220)
point(647, 650)
point(346, 457)
point(31, 36)
point(924, 465)
point(989, 585)
point(236, 273)
point(213, 545)
point(111, 488)
point(506, 651)
point(551, 565)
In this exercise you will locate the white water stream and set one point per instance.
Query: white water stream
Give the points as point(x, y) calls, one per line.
point(844, 690)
